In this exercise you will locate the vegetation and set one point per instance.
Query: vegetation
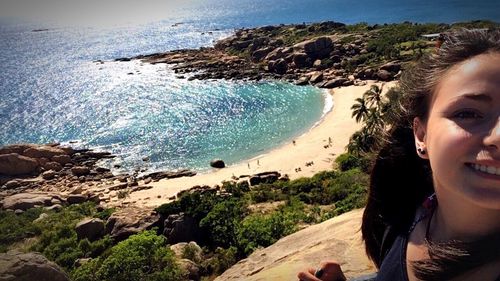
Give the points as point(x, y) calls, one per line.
point(377, 113)
point(143, 256)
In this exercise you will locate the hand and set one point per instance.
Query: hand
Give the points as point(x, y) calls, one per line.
point(331, 271)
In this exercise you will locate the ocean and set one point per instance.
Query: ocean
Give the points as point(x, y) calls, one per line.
point(53, 87)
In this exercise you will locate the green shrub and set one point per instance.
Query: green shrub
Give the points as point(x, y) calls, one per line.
point(221, 260)
point(144, 256)
point(58, 240)
point(14, 228)
point(196, 204)
point(347, 161)
point(221, 222)
point(265, 193)
point(263, 230)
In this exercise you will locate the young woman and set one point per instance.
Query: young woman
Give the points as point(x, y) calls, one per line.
point(433, 210)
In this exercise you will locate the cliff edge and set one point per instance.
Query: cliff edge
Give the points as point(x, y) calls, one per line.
point(338, 238)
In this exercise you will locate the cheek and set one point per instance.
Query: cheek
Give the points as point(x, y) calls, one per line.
point(448, 143)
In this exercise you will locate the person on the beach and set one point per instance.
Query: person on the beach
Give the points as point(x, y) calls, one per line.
point(433, 210)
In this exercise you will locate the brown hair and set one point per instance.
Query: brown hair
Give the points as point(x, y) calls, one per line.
point(392, 202)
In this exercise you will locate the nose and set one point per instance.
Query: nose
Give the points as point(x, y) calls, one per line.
point(492, 140)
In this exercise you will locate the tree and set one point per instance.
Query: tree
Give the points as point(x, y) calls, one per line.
point(373, 96)
point(359, 109)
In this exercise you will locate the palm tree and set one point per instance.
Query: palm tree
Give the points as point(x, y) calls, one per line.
point(374, 95)
point(359, 109)
point(361, 142)
point(373, 121)
point(391, 109)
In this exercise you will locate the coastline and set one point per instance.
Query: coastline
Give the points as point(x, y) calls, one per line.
point(313, 146)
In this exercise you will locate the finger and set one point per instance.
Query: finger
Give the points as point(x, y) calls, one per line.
point(307, 275)
point(332, 271)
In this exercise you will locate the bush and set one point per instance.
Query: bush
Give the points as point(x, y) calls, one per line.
point(348, 161)
point(58, 240)
point(221, 222)
point(221, 260)
point(263, 230)
point(143, 256)
point(14, 228)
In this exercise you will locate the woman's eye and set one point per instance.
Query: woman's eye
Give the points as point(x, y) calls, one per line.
point(467, 114)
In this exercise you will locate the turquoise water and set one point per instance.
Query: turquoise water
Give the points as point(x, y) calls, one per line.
point(51, 88)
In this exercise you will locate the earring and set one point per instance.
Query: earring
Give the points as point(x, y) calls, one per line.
point(421, 150)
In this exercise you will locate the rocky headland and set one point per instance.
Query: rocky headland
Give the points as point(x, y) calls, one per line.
point(326, 55)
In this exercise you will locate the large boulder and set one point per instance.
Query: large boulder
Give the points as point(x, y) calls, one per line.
point(315, 48)
point(393, 67)
point(259, 54)
point(52, 166)
point(16, 266)
point(190, 268)
point(80, 171)
point(279, 66)
point(384, 75)
point(217, 163)
point(25, 201)
point(61, 159)
point(336, 82)
point(301, 60)
point(181, 228)
point(14, 164)
point(43, 151)
point(16, 148)
point(90, 228)
point(120, 225)
point(189, 250)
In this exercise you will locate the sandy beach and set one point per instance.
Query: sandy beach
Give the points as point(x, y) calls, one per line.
point(320, 145)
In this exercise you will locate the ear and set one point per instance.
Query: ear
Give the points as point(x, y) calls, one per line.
point(419, 133)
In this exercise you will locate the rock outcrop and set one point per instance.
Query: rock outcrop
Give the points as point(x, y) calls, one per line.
point(91, 229)
point(129, 221)
point(13, 164)
point(338, 238)
point(16, 266)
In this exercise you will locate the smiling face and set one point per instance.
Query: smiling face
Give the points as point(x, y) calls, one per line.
point(461, 134)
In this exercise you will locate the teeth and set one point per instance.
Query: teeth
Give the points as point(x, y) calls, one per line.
point(487, 169)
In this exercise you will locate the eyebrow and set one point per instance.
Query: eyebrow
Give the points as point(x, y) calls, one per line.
point(476, 97)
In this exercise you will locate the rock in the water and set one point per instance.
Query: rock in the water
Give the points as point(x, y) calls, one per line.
point(170, 174)
point(217, 163)
point(80, 171)
point(304, 80)
point(92, 229)
point(15, 266)
point(14, 164)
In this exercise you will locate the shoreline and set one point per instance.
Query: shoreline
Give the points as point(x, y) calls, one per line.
point(312, 146)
